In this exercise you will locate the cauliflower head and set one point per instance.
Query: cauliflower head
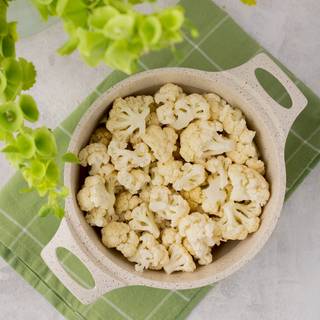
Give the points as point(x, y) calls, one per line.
point(248, 185)
point(134, 180)
point(142, 219)
point(125, 159)
point(95, 195)
point(201, 233)
point(170, 236)
point(167, 205)
point(180, 260)
point(165, 172)
point(96, 156)
point(213, 197)
point(239, 220)
point(129, 115)
point(115, 233)
point(150, 254)
point(201, 140)
point(162, 141)
point(191, 176)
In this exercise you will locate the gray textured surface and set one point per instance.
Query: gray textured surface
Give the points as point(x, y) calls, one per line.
point(283, 281)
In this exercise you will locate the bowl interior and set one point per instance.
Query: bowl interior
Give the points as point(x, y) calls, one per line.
point(229, 256)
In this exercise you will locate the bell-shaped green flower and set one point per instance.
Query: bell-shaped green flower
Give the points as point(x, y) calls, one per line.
point(74, 11)
point(119, 56)
point(92, 46)
point(52, 173)
point(34, 172)
point(172, 18)
point(25, 145)
point(11, 117)
point(100, 16)
point(119, 27)
point(45, 142)
point(29, 108)
point(150, 30)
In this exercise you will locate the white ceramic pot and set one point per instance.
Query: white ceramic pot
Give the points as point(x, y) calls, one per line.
point(272, 122)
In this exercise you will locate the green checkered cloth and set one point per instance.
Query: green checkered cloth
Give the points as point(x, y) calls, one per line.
point(222, 44)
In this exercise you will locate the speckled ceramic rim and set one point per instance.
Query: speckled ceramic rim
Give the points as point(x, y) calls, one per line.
point(272, 122)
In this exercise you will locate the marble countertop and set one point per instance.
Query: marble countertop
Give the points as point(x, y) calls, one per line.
point(283, 281)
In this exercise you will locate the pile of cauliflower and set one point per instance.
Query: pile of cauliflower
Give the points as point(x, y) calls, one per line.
point(170, 177)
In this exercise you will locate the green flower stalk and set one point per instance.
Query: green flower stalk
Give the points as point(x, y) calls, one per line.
point(32, 151)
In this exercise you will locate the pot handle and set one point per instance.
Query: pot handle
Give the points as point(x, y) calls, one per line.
point(103, 282)
point(285, 117)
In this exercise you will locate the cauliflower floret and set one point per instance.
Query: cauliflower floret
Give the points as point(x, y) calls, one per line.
point(142, 219)
point(96, 156)
point(97, 217)
point(126, 201)
point(191, 176)
point(125, 159)
point(248, 184)
point(201, 140)
point(161, 141)
point(101, 135)
point(239, 220)
point(115, 233)
point(219, 166)
point(215, 106)
point(128, 115)
point(170, 236)
point(168, 93)
point(230, 117)
point(202, 233)
point(180, 260)
point(256, 164)
point(95, 195)
point(134, 180)
point(169, 206)
point(129, 248)
point(186, 108)
point(193, 197)
point(150, 254)
point(213, 197)
point(243, 152)
point(166, 173)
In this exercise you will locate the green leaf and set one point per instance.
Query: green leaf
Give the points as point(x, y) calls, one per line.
point(26, 146)
point(28, 74)
point(150, 30)
point(13, 73)
point(29, 108)
point(119, 56)
point(70, 157)
point(11, 117)
point(119, 27)
point(45, 142)
point(100, 16)
point(172, 18)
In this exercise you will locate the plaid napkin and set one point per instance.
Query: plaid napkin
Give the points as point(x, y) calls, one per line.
point(222, 44)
